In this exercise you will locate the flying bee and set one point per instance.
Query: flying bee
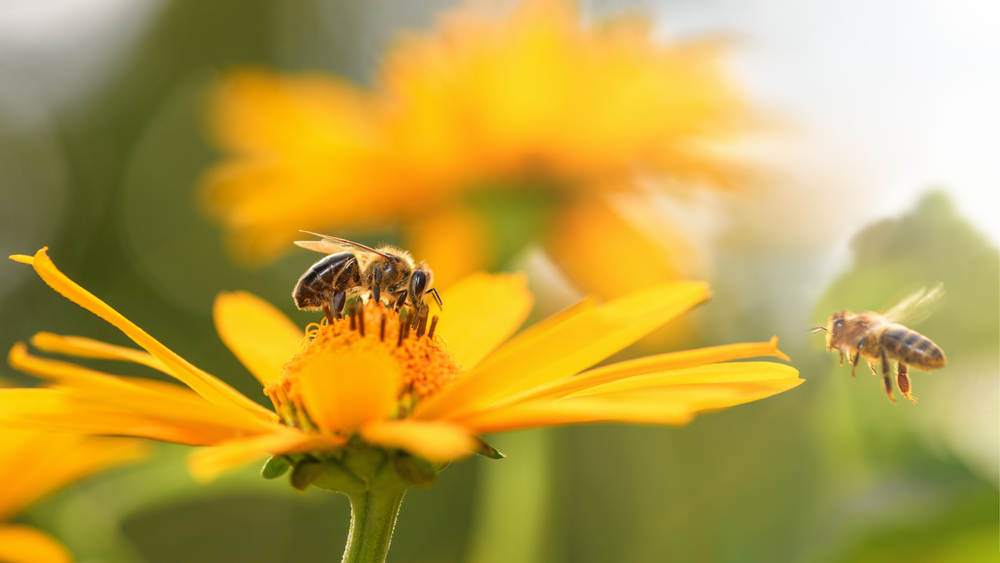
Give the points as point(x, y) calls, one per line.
point(881, 338)
point(353, 269)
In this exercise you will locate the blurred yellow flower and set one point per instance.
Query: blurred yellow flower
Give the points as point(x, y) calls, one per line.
point(503, 104)
point(427, 390)
point(33, 464)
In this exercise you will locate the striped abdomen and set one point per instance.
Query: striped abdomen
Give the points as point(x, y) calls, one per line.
point(912, 348)
point(333, 274)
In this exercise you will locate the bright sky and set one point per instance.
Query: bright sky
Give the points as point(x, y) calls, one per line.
point(905, 91)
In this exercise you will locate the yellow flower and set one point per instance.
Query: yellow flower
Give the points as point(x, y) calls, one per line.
point(33, 464)
point(528, 101)
point(424, 388)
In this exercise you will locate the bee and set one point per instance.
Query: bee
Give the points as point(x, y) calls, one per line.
point(354, 269)
point(881, 338)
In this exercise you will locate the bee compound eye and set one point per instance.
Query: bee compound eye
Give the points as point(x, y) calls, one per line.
point(418, 284)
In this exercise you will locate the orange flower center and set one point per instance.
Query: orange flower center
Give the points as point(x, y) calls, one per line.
point(406, 338)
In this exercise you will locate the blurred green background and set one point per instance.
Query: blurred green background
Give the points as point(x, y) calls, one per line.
point(102, 169)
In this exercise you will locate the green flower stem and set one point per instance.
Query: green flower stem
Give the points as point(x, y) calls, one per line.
point(373, 517)
point(374, 481)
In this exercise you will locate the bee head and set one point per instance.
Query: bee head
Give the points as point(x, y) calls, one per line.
point(835, 328)
point(421, 282)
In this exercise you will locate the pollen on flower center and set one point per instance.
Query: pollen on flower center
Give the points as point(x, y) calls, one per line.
point(404, 337)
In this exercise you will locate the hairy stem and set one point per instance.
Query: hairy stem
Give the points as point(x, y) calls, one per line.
point(373, 517)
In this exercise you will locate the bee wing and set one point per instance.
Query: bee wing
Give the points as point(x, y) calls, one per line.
point(332, 245)
point(321, 246)
point(917, 306)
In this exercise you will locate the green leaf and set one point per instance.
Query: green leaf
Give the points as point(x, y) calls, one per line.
point(275, 467)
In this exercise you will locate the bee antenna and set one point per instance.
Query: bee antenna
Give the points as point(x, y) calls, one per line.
point(817, 329)
point(437, 297)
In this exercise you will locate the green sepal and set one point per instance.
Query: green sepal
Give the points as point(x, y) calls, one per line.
point(275, 467)
point(415, 471)
point(305, 473)
point(335, 476)
point(484, 449)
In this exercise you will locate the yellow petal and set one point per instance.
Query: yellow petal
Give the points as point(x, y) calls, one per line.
point(535, 331)
point(434, 441)
point(648, 399)
point(719, 374)
point(256, 332)
point(204, 384)
point(564, 350)
point(22, 544)
point(61, 372)
point(208, 463)
point(453, 240)
point(674, 404)
point(480, 312)
point(594, 228)
point(343, 391)
point(651, 365)
point(87, 348)
point(316, 134)
point(59, 411)
point(143, 397)
point(34, 463)
point(542, 413)
point(701, 397)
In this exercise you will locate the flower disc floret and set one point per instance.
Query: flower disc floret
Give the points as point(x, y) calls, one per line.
point(403, 340)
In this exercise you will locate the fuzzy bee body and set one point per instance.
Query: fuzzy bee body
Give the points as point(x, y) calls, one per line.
point(911, 347)
point(880, 339)
point(323, 281)
point(351, 269)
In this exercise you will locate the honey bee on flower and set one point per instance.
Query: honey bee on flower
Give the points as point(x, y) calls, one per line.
point(351, 268)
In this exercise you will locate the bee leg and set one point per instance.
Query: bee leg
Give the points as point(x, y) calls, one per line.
point(857, 356)
point(841, 357)
point(376, 293)
point(903, 382)
point(339, 300)
point(886, 372)
point(328, 313)
point(871, 366)
point(401, 300)
point(422, 320)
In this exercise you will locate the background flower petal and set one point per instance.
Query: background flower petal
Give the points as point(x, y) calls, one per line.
point(453, 241)
point(23, 544)
point(34, 463)
point(593, 228)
